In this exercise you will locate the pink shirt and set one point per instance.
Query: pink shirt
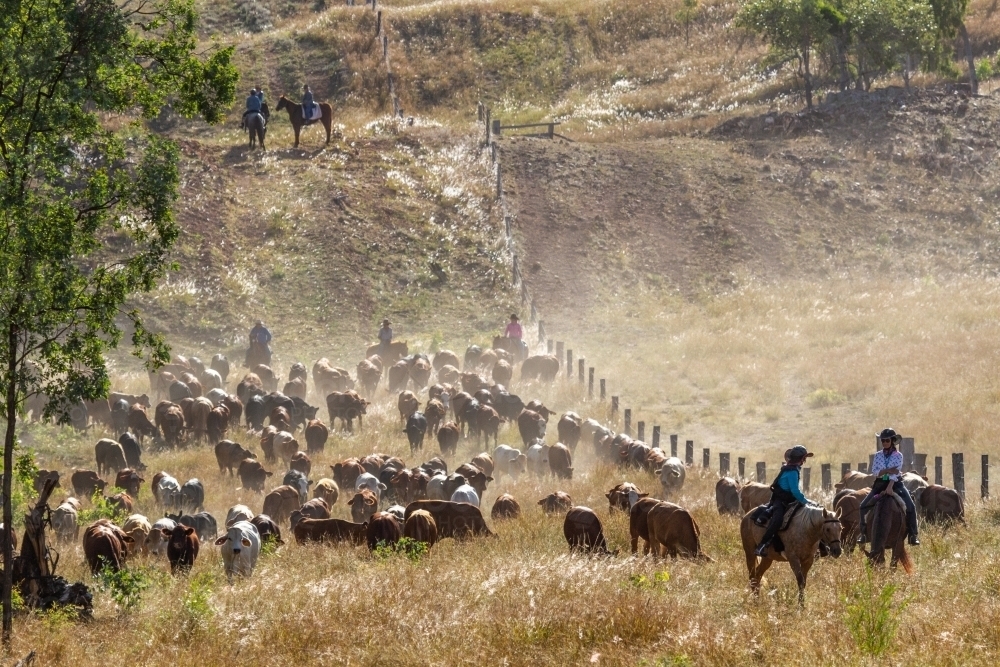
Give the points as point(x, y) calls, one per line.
point(514, 330)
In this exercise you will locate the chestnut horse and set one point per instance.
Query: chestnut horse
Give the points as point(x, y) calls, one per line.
point(295, 115)
point(809, 527)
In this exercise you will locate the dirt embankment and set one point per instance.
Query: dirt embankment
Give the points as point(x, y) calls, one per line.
point(873, 183)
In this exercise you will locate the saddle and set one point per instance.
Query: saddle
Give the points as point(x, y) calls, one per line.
point(316, 114)
point(762, 516)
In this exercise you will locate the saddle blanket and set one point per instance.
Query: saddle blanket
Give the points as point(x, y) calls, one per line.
point(760, 517)
point(316, 114)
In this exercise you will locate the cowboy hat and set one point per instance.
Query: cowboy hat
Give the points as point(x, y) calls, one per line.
point(385, 322)
point(888, 434)
point(513, 317)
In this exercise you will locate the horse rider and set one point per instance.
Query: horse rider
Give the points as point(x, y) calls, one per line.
point(886, 467)
point(384, 337)
point(515, 331)
point(307, 103)
point(784, 491)
point(253, 104)
point(260, 94)
point(261, 336)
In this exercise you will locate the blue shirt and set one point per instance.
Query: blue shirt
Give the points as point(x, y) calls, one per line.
point(260, 335)
point(789, 481)
point(253, 103)
point(307, 102)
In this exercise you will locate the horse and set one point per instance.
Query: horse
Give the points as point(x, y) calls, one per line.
point(295, 115)
point(848, 503)
point(257, 354)
point(256, 128)
point(809, 527)
point(510, 345)
point(886, 529)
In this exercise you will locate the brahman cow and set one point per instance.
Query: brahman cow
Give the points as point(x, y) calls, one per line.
point(671, 475)
point(240, 549)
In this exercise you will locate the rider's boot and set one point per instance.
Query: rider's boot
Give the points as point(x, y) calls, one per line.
point(862, 537)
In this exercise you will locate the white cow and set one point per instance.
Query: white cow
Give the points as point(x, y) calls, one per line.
point(216, 396)
point(64, 520)
point(591, 428)
point(211, 380)
point(671, 475)
point(156, 543)
point(399, 512)
point(168, 491)
point(509, 460)
point(137, 527)
point(435, 487)
point(465, 494)
point(240, 549)
point(238, 513)
point(366, 480)
point(538, 458)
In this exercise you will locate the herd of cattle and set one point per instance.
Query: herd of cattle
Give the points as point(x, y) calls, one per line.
point(388, 499)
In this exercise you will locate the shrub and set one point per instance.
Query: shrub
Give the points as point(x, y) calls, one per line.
point(125, 586)
point(100, 509)
point(197, 610)
point(873, 614)
point(822, 398)
point(408, 547)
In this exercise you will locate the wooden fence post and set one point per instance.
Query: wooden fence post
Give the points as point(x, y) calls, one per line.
point(723, 464)
point(628, 419)
point(602, 389)
point(761, 472)
point(906, 448)
point(689, 452)
point(378, 24)
point(569, 363)
point(673, 444)
point(920, 464)
point(871, 462)
point(938, 471)
point(705, 456)
point(741, 468)
point(844, 469)
point(825, 476)
point(581, 366)
point(551, 343)
point(656, 436)
point(863, 467)
point(806, 473)
point(958, 472)
point(590, 382)
point(984, 487)
point(640, 431)
point(541, 327)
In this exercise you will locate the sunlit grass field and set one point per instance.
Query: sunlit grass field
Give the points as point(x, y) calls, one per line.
point(735, 372)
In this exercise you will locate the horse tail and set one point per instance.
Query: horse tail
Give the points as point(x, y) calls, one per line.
point(905, 560)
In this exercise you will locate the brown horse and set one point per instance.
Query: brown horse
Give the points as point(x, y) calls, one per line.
point(809, 527)
point(257, 354)
point(295, 115)
point(886, 529)
point(848, 503)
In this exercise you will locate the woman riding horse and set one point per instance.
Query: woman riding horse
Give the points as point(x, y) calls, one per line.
point(298, 121)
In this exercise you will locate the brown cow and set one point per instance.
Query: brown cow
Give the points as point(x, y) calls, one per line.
point(674, 532)
point(383, 529)
point(252, 475)
point(561, 461)
point(86, 483)
point(854, 481)
point(408, 404)
point(129, 480)
point(267, 529)
point(280, 503)
point(346, 406)
point(399, 376)
point(444, 358)
point(449, 374)
point(471, 383)
point(217, 423)
point(169, 418)
point(267, 444)
point(420, 373)
point(330, 530)
point(448, 437)
point(502, 372)
point(434, 413)
point(230, 454)
point(487, 423)
point(544, 367)
point(939, 503)
point(847, 503)
point(120, 502)
point(637, 524)
point(583, 531)
point(182, 547)
point(267, 377)
point(754, 494)
point(363, 506)
point(280, 419)
point(316, 436)
point(420, 527)
point(409, 485)
point(110, 456)
point(138, 422)
point(727, 496)
point(531, 426)
point(317, 508)
point(622, 496)
point(456, 520)
point(569, 430)
point(484, 462)
point(300, 461)
point(505, 507)
point(556, 503)
point(369, 374)
point(235, 407)
point(346, 473)
point(105, 545)
point(328, 379)
point(295, 387)
point(42, 476)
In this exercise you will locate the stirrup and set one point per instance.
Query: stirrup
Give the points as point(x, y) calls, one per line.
point(914, 541)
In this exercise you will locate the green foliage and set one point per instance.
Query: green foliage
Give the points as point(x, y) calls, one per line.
point(197, 610)
point(685, 15)
point(657, 582)
point(984, 69)
point(873, 614)
point(412, 549)
point(822, 398)
point(59, 616)
point(23, 484)
point(125, 586)
point(100, 509)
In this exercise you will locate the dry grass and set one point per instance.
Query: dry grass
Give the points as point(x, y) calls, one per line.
point(917, 355)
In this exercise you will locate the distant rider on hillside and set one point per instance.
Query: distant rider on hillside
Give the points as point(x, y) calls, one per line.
point(307, 104)
point(253, 104)
point(261, 336)
point(515, 331)
point(384, 338)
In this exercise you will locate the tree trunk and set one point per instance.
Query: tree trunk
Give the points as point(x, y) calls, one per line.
point(973, 80)
point(808, 77)
point(8, 474)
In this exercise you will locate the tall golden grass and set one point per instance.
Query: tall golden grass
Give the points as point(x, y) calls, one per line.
point(734, 372)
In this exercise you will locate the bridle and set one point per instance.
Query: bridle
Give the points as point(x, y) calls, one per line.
point(836, 541)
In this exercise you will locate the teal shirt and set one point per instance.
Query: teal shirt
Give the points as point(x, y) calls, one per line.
point(789, 481)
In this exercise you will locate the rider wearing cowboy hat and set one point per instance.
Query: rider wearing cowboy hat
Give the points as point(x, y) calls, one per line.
point(259, 334)
point(784, 491)
point(886, 467)
point(385, 335)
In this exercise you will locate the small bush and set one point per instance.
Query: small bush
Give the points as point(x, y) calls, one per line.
point(822, 398)
point(125, 586)
point(197, 610)
point(412, 549)
point(101, 509)
point(657, 581)
point(873, 614)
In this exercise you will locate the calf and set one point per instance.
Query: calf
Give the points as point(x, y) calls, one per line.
point(330, 530)
point(556, 503)
point(622, 496)
point(240, 548)
point(182, 548)
point(110, 456)
point(137, 527)
point(583, 531)
point(268, 530)
point(420, 527)
point(252, 475)
point(86, 483)
point(156, 543)
point(505, 507)
point(383, 529)
point(363, 506)
point(456, 520)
